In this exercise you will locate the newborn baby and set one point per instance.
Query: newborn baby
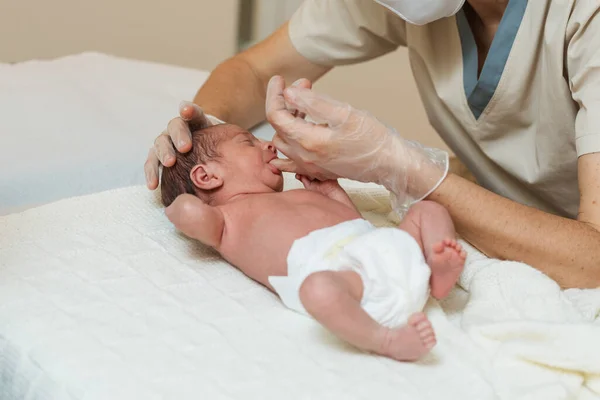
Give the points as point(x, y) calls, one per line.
point(311, 246)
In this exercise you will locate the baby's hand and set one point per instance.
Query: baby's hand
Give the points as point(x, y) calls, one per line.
point(326, 188)
point(330, 188)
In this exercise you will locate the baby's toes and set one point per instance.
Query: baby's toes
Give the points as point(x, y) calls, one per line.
point(416, 319)
point(429, 340)
point(425, 330)
point(421, 324)
point(426, 333)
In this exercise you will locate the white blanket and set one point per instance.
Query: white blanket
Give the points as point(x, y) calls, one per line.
point(101, 299)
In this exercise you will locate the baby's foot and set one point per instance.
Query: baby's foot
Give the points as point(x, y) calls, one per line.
point(410, 342)
point(446, 261)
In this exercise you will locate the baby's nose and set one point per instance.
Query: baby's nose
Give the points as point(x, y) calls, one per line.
point(269, 146)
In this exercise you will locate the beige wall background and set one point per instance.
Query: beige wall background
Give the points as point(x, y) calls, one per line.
point(190, 33)
point(199, 34)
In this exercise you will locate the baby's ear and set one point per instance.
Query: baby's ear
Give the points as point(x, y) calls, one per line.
point(206, 178)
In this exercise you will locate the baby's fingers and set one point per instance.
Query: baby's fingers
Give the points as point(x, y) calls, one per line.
point(304, 179)
point(307, 182)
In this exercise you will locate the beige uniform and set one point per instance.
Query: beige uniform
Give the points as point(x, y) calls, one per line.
point(522, 123)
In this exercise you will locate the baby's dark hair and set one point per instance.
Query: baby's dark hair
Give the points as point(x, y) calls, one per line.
point(176, 180)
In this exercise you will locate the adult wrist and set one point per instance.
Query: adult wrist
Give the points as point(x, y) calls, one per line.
point(411, 172)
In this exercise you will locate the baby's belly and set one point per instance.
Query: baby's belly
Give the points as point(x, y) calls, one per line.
point(262, 248)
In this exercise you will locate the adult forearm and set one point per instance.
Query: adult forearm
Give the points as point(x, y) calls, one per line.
point(566, 250)
point(235, 93)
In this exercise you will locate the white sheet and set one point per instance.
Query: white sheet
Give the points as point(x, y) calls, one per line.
point(82, 124)
point(100, 298)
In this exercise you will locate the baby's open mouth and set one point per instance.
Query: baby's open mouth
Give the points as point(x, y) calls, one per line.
point(274, 169)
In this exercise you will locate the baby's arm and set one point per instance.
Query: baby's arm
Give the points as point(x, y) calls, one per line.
point(197, 220)
point(330, 188)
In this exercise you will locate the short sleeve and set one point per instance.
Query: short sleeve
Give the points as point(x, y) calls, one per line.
point(583, 66)
point(339, 32)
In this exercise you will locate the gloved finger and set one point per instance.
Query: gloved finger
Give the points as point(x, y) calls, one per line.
point(278, 140)
point(180, 134)
point(289, 129)
point(291, 109)
point(193, 115)
point(275, 107)
point(301, 83)
point(286, 148)
point(151, 169)
point(304, 140)
point(319, 107)
point(281, 145)
point(284, 165)
point(164, 150)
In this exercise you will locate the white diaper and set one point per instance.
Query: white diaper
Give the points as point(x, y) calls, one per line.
point(390, 262)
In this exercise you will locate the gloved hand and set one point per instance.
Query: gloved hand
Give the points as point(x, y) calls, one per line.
point(350, 143)
point(178, 134)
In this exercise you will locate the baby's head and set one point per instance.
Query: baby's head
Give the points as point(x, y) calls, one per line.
point(225, 160)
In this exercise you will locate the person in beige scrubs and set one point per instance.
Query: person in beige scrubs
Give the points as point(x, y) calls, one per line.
point(513, 88)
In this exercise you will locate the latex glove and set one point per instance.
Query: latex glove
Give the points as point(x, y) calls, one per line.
point(350, 143)
point(177, 135)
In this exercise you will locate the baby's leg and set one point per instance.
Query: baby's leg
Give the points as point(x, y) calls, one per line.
point(333, 298)
point(430, 224)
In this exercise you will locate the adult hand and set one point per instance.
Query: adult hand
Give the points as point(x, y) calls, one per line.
point(281, 114)
point(177, 135)
point(350, 143)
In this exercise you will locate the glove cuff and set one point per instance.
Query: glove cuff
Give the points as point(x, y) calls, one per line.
point(214, 120)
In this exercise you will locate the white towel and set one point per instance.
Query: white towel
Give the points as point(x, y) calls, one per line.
point(101, 298)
